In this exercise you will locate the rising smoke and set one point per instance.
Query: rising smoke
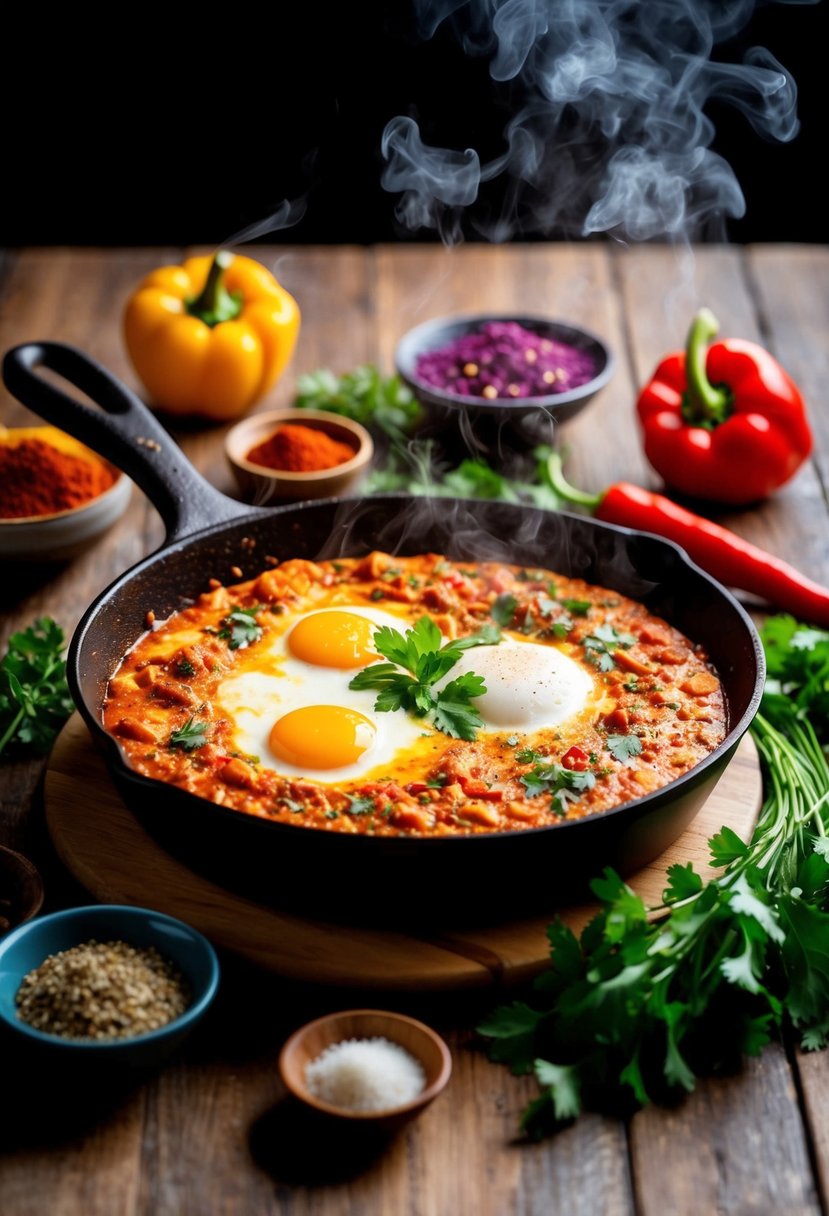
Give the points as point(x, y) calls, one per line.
point(607, 129)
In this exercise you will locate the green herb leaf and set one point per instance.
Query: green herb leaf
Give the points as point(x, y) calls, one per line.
point(240, 628)
point(190, 737)
point(380, 402)
point(34, 695)
point(421, 652)
point(503, 609)
point(624, 747)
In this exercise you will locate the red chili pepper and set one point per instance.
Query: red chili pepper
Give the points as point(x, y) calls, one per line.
point(721, 553)
point(576, 759)
point(724, 422)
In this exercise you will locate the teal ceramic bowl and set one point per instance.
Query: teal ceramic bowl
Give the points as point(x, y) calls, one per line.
point(189, 952)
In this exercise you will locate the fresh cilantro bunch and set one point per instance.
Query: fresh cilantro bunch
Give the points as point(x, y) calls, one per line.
point(645, 1000)
point(363, 394)
point(34, 695)
point(422, 653)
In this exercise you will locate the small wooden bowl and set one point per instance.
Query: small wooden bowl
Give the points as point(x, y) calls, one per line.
point(262, 485)
point(20, 885)
point(307, 1043)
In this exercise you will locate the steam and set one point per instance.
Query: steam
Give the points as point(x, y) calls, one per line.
point(287, 214)
point(608, 130)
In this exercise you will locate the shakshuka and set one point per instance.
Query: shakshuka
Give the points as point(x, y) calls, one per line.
point(415, 696)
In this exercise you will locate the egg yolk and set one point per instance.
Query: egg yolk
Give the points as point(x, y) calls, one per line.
point(322, 737)
point(334, 639)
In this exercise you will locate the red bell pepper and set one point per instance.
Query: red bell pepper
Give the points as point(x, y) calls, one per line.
point(723, 422)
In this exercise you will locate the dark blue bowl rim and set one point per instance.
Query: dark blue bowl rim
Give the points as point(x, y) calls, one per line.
point(439, 330)
point(190, 1015)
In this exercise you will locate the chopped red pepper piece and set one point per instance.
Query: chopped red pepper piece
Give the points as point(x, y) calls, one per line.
point(723, 422)
point(576, 759)
point(479, 789)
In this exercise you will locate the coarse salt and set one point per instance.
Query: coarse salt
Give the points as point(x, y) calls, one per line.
point(365, 1074)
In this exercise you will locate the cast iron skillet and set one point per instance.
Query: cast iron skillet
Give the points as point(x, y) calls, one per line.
point(385, 878)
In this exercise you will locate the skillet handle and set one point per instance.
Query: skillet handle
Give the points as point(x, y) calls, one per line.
point(123, 430)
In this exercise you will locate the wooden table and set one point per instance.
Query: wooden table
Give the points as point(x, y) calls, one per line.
point(210, 1134)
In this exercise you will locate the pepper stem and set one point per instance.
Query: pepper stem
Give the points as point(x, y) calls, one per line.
point(562, 487)
point(704, 402)
point(215, 303)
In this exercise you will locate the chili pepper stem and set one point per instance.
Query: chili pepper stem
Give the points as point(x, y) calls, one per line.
point(215, 303)
point(562, 487)
point(704, 401)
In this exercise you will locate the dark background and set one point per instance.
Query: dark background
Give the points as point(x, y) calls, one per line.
point(153, 134)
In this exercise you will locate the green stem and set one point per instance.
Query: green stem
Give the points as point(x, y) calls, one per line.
point(215, 303)
point(10, 733)
point(562, 487)
point(704, 402)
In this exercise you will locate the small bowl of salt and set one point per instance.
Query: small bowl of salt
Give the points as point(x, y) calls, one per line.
point(366, 1065)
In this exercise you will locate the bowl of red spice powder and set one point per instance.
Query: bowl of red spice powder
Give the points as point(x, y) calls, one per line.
point(298, 454)
point(56, 495)
point(495, 371)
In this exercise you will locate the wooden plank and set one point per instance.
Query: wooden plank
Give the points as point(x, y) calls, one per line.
point(735, 1145)
point(793, 289)
point(67, 1150)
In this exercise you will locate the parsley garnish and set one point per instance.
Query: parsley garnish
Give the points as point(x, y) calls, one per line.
point(623, 747)
point(190, 737)
point(420, 652)
point(503, 609)
point(185, 668)
point(563, 783)
point(601, 644)
point(240, 628)
point(34, 696)
point(360, 806)
point(577, 607)
point(646, 999)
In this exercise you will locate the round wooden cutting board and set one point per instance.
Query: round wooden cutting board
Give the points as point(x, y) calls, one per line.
point(108, 851)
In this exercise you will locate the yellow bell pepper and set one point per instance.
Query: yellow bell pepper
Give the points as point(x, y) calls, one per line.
point(210, 337)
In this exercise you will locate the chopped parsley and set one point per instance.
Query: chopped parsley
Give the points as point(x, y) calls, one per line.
point(190, 737)
point(185, 668)
point(360, 806)
point(624, 747)
point(564, 784)
point(240, 628)
point(503, 609)
point(601, 644)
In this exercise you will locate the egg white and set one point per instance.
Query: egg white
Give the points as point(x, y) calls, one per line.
point(528, 685)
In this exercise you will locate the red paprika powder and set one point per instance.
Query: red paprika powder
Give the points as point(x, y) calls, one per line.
point(39, 479)
point(295, 448)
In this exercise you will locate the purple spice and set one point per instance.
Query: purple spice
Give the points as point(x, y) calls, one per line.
point(504, 360)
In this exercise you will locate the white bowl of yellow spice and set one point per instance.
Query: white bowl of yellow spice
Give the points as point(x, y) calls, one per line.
point(57, 496)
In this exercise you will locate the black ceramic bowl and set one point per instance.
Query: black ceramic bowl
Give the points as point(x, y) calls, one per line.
point(518, 421)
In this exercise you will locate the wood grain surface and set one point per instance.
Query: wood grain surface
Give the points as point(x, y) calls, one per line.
point(212, 1133)
point(102, 844)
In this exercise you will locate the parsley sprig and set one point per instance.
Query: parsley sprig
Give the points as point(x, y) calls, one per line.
point(600, 645)
point(422, 653)
point(645, 1000)
point(190, 737)
point(34, 695)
